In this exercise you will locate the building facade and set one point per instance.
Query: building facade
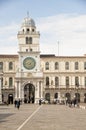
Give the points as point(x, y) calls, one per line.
point(31, 76)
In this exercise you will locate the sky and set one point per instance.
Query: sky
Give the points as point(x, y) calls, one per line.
point(61, 23)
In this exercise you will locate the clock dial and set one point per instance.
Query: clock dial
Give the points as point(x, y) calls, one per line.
point(29, 63)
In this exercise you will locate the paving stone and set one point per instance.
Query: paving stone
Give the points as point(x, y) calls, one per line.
point(42, 117)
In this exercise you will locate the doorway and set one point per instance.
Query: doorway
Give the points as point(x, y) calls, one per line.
point(10, 99)
point(29, 93)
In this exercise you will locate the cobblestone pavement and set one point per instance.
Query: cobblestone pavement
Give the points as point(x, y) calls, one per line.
point(43, 117)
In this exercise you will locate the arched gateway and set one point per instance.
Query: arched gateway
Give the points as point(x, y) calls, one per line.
point(29, 93)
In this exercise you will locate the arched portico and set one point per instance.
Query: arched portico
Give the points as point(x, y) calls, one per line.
point(29, 93)
point(29, 90)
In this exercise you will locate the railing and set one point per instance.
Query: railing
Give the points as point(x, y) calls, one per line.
point(21, 32)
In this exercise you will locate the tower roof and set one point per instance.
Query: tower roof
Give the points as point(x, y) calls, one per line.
point(28, 22)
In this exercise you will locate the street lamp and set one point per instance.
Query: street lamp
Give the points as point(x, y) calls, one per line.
point(77, 98)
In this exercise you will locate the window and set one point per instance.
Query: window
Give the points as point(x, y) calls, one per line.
point(47, 81)
point(23, 30)
point(67, 81)
point(10, 82)
point(32, 30)
point(77, 81)
point(31, 49)
point(47, 96)
point(56, 81)
point(76, 66)
point(28, 40)
point(10, 65)
point(85, 81)
point(2, 82)
point(56, 65)
point(84, 65)
point(28, 30)
point(56, 95)
point(1, 65)
point(26, 50)
point(67, 65)
point(47, 66)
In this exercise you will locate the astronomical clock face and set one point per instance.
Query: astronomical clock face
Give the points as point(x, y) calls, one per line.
point(29, 63)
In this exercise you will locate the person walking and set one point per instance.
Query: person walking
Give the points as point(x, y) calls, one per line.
point(15, 102)
point(39, 101)
point(18, 104)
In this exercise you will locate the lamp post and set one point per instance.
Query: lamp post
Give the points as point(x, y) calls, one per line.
point(1, 74)
point(77, 98)
point(58, 48)
point(0, 93)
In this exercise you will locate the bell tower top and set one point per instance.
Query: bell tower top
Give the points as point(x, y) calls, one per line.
point(28, 26)
point(28, 22)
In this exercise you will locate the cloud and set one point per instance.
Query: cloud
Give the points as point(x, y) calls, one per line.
point(68, 29)
point(9, 50)
point(8, 35)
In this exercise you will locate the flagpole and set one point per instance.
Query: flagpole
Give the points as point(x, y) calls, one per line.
point(58, 48)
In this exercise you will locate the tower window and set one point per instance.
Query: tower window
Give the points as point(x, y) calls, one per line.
point(26, 50)
point(28, 40)
point(28, 30)
point(31, 49)
point(32, 30)
point(23, 30)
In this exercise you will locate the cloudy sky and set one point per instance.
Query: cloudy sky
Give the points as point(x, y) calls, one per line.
point(62, 25)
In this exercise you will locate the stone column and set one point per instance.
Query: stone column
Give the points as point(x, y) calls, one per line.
point(41, 89)
point(19, 90)
point(37, 92)
point(0, 92)
point(16, 89)
point(22, 93)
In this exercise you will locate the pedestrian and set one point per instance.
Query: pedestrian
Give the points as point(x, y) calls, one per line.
point(39, 101)
point(74, 102)
point(18, 104)
point(15, 102)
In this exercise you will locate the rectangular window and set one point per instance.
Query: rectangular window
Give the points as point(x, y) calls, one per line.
point(67, 81)
point(10, 65)
point(56, 65)
point(76, 66)
point(85, 81)
point(1, 65)
point(67, 65)
point(84, 65)
point(76, 81)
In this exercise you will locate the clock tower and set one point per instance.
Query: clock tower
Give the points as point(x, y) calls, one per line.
point(29, 76)
point(29, 51)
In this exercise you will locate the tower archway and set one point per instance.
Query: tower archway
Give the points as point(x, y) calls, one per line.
point(29, 93)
